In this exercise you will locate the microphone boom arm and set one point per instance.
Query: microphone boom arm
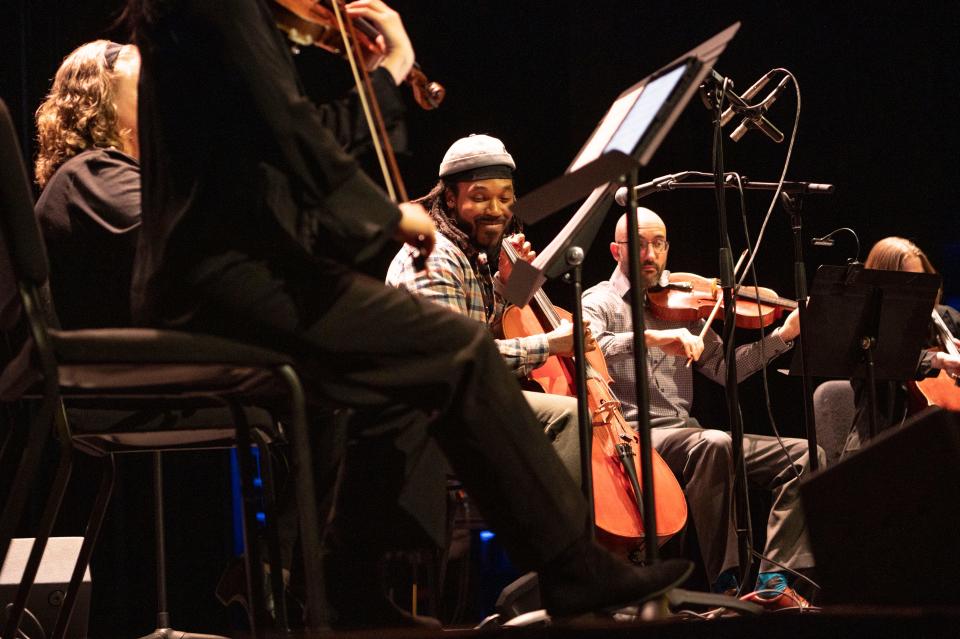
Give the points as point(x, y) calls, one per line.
point(675, 181)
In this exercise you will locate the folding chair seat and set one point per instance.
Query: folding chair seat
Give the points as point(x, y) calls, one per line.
point(129, 370)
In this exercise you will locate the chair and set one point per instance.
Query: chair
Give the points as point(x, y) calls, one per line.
point(135, 370)
point(833, 410)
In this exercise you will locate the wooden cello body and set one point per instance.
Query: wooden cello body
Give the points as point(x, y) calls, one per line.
point(617, 512)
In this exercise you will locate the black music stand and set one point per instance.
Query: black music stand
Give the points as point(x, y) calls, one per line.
point(866, 323)
point(625, 139)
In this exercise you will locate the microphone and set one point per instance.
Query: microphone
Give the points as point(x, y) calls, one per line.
point(758, 119)
point(748, 95)
point(620, 197)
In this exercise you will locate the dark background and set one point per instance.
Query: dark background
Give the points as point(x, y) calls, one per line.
point(879, 86)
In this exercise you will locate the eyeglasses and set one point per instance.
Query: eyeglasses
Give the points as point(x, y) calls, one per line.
point(659, 245)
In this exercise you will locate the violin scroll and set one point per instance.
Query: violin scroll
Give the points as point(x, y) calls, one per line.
point(428, 94)
point(312, 23)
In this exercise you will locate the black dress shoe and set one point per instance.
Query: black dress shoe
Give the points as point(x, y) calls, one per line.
point(587, 578)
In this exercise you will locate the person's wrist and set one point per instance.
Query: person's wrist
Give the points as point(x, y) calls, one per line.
point(784, 336)
point(398, 62)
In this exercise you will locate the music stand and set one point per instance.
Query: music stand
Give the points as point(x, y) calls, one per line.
point(868, 324)
point(625, 139)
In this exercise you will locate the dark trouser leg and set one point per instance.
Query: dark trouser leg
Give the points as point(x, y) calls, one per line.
point(402, 361)
point(768, 468)
point(701, 458)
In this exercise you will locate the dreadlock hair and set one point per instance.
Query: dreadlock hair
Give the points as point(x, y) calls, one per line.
point(435, 202)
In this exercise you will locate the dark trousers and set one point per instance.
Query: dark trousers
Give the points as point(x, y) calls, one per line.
point(416, 375)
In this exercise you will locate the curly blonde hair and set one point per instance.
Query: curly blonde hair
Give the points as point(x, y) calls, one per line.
point(80, 112)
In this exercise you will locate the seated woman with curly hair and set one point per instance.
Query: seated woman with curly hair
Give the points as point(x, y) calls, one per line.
point(88, 168)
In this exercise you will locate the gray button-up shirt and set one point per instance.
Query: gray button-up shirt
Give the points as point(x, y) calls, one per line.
point(607, 306)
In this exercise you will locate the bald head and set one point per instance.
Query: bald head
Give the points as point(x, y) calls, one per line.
point(646, 220)
point(653, 234)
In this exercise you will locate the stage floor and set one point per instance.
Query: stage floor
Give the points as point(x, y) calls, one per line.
point(849, 622)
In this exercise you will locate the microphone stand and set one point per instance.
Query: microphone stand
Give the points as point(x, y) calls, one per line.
point(637, 299)
point(793, 204)
point(731, 388)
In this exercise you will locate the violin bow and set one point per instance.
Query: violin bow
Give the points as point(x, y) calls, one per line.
point(716, 306)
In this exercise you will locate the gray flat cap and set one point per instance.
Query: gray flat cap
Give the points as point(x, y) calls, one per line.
point(476, 151)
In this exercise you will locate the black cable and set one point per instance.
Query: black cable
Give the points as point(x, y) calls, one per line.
point(728, 338)
point(36, 622)
point(763, 355)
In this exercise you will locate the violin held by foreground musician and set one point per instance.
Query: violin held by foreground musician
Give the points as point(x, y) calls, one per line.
point(893, 398)
point(314, 23)
point(701, 457)
point(255, 226)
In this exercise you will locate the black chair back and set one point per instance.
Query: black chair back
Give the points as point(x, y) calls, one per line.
point(23, 272)
point(26, 247)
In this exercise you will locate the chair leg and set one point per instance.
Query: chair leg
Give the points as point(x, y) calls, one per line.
point(311, 528)
point(37, 436)
point(273, 537)
point(47, 520)
point(90, 537)
point(256, 609)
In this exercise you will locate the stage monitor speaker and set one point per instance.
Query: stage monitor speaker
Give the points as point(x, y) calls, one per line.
point(50, 586)
point(884, 521)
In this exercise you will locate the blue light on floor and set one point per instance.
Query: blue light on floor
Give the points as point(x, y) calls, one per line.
point(486, 535)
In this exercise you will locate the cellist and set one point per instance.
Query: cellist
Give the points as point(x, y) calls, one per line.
point(256, 226)
point(701, 457)
point(471, 207)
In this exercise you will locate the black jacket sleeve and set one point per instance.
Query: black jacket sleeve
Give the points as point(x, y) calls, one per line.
point(346, 207)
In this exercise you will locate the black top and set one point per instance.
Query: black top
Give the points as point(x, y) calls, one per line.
point(260, 171)
point(892, 396)
point(89, 212)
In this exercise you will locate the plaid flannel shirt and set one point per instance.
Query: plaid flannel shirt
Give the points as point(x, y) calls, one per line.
point(607, 306)
point(452, 282)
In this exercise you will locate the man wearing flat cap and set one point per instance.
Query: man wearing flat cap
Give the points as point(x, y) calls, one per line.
point(471, 207)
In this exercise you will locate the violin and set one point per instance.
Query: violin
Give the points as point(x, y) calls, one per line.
point(687, 297)
point(617, 505)
point(942, 390)
point(313, 23)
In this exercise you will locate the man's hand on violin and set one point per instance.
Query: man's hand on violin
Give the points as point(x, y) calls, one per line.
point(791, 326)
point(524, 252)
point(416, 228)
point(948, 363)
point(560, 339)
point(675, 341)
point(393, 40)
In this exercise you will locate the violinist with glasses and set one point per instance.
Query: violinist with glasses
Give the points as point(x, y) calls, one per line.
point(701, 457)
point(257, 226)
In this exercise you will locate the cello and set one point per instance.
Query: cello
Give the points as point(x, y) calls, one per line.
point(942, 390)
point(617, 505)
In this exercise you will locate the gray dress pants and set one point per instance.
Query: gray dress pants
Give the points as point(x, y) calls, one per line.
point(702, 461)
